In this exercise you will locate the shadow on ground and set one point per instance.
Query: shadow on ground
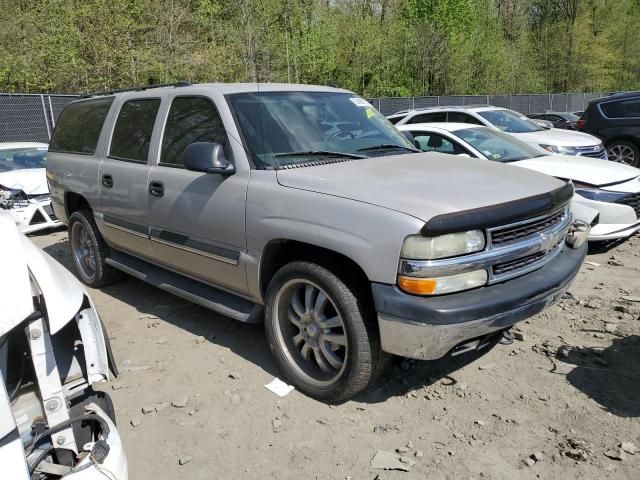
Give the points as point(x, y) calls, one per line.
point(611, 376)
point(249, 341)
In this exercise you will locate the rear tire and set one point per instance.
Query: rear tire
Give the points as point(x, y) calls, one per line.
point(321, 332)
point(89, 251)
point(624, 152)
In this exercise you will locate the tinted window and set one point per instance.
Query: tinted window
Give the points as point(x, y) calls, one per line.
point(132, 133)
point(432, 142)
point(430, 117)
point(462, 117)
point(191, 119)
point(497, 146)
point(510, 121)
point(622, 109)
point(79, 126)
point(395, 120)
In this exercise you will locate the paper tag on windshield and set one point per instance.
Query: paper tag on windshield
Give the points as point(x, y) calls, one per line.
point(361, 102)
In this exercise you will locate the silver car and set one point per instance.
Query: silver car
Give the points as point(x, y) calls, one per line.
point(303, 207)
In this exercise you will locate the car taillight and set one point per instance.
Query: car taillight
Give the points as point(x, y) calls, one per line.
point(581, 123)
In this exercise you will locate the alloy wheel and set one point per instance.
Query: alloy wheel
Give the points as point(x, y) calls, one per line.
point(83, 249)
point(622, 154)
point(311, 332)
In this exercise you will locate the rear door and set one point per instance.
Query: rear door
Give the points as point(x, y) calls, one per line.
point(124, 175)
point(197, 219)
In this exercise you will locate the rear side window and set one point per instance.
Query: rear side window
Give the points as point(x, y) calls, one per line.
point(629, 108)
point(132, 133)
point(461, 117)
point(191, 119)
point(430, 117)
point(79, 126)
point(395, 120)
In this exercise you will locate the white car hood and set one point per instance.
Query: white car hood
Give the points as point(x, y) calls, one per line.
point(19, 257)
point(32, 181)
point(581, 169)
point(557, 136)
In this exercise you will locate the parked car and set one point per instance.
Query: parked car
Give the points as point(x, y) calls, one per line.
point(24, 193)
point(612, 190)
point(565, 120)
point(616, 120)
point(555, 140)
point(300, 202)
point(53, 349)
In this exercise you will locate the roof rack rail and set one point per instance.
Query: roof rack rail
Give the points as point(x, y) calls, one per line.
point(136, 89)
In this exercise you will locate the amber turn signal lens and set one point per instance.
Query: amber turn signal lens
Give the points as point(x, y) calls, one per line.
point(417, 286)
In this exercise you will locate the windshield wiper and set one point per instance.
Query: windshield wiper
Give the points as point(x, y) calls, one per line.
point(319, 153)
point(386, 146)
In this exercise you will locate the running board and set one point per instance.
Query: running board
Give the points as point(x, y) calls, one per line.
point(197, 292)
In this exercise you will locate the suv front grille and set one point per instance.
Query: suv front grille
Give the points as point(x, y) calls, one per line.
point(505, 235)
point(633, 200)
point(510, 266)
point(512, 250)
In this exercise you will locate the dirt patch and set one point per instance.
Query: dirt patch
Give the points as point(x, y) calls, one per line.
point(558, 403)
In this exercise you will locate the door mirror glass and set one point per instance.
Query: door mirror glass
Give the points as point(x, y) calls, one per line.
point(208, 158)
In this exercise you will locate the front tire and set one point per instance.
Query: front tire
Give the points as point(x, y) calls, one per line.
point(321, 332)
point(624, 152)
point(89, 250)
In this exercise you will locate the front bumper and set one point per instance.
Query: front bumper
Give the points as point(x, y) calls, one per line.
point(34, 215)
point(427, 328)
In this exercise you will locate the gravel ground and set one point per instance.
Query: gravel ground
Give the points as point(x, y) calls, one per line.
point(558, 403)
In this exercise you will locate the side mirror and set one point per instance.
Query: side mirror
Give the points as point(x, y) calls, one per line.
point(464, 155)
point(208, 158)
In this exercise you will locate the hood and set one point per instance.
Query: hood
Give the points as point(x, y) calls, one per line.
point(32, 181)
point(581, 169)
point(557, 136)
point(422, 185)
point(63, 293)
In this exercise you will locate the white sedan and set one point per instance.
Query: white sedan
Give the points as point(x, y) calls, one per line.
point(613, 189)
point(24, 192)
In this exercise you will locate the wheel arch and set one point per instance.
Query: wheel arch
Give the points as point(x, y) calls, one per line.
point(74, 202)
point(279, 252)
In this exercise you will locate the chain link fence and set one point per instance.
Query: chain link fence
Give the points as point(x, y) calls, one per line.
point(32, 117)
point(526, 104)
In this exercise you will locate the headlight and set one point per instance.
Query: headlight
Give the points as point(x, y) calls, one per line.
point(593, 193)
point(444, 284)
point(559, 149)
point(417, 247)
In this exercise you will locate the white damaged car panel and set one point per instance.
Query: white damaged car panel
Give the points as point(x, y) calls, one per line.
point(52, 408)
point(24, 192)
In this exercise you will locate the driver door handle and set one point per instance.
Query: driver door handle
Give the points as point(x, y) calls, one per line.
point(156, 188)
point(107, 180)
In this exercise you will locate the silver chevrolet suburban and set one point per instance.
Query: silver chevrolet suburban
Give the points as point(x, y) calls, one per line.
point(305, 207)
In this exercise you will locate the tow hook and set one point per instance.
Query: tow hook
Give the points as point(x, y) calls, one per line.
point(578, 233)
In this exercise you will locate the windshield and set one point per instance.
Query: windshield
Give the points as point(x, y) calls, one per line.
point(284, 128)
point(497, 146)
point(510, 121)
point(23, 158)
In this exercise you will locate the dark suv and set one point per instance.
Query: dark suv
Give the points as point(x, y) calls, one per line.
point(616, 120)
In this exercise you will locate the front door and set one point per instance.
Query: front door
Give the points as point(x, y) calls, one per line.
point(124, 175)
point(197, 219)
